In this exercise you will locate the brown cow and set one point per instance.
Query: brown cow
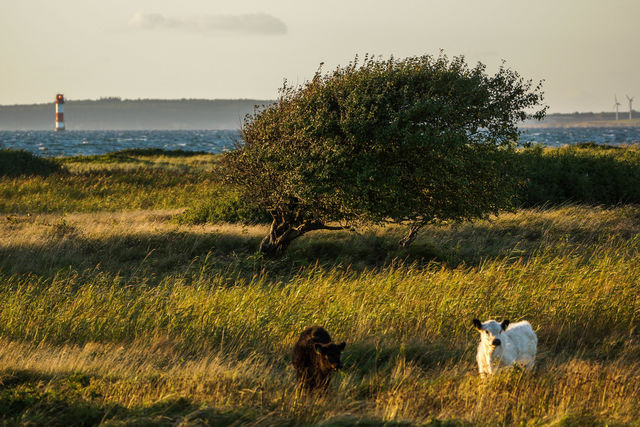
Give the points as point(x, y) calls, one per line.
point(315, 357)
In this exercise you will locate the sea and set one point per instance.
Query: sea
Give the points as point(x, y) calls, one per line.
point(76, 143)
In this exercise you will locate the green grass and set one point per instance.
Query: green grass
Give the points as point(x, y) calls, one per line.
point(210, 333)
point(128, 180)
point(117, 316)
point(156, 179)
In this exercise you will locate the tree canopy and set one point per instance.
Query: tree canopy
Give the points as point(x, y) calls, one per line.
point(416, 140)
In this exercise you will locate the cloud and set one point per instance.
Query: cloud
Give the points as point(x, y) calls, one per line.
point(253, 23)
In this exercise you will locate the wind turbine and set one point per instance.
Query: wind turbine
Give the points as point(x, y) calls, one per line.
point(630, 101)
point(616, 105)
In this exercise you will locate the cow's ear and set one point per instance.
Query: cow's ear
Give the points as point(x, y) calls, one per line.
point(318, 348)
point(342, 345)
point(504, 324)
point(477, 324)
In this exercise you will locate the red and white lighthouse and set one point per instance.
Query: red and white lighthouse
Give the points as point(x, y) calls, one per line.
point(59, 112)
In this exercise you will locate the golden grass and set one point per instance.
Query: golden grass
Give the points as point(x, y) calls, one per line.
point(143, 375)
point(130, 318)
point(198, 163)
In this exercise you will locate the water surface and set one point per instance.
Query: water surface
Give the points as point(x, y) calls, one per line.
point(72, 143)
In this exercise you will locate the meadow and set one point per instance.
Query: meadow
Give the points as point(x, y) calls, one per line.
point(118, 308)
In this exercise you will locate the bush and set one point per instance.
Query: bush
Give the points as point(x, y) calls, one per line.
point(228, 208)
point(584, 173)
point(580, 174)
point(15, 163)
point(413, 141)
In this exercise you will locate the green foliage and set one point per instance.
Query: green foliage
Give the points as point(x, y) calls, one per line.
point(415, 140)
point(226, 207)
point(16, 163)
point(589, 174)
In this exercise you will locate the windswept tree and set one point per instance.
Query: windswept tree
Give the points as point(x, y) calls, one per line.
point(413, 141)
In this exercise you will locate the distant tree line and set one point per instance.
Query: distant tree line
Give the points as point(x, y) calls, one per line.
point(112, 113)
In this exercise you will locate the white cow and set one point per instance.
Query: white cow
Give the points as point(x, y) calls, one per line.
point(502, 345)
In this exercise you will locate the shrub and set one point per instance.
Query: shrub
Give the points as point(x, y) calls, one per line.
point(227, 207)
point(15, 163)
point(412, 141)
point(580, 174)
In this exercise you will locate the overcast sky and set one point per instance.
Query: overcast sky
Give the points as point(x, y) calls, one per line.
point(585, 50)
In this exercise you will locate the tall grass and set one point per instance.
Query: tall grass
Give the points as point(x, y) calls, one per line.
point(129, 180)
point(579, 301)
point(157, 179)
point(209, 337)
point(114, 315)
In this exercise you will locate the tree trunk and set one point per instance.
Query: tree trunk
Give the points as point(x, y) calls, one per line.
point(411, 235)
point(273, 246)
point(282, 234)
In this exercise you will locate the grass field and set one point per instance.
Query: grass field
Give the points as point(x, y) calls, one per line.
point(112, 312)
point(113, 182)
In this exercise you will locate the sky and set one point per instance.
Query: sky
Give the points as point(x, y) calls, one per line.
point(586, 51)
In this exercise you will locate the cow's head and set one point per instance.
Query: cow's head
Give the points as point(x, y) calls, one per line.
point(330, 355)
point(490, 331)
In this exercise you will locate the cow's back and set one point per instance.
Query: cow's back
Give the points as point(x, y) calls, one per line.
point(306, 361)
point(523, 339)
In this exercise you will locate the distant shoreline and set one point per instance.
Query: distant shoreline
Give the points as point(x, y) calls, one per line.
point(201, 114)
point(585, 120)
point(583, 124)
point(145, 114)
